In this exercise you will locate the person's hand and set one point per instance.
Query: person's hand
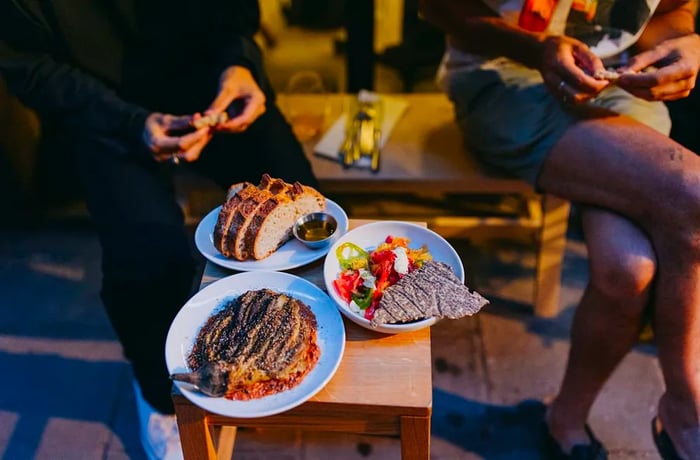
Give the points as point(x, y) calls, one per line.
point(567, 67)
point(237, 83)
point(664, 73)
point(165, 137)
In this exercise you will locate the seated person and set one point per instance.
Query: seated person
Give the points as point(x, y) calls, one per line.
point(532, 89)
point(126, 80)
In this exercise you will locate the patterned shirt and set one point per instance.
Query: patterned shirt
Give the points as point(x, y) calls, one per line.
point(608, 27)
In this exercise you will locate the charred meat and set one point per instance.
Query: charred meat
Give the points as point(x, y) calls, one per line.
point(431, 290)
point(263, 341)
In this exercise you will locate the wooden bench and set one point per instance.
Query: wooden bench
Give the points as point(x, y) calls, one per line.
point(425, 154)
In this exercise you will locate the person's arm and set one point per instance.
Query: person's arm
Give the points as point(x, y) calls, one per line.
point(672, 18)
point(566, 64)
point(231, 38)
point(242, 52)
point(667, 67)
point(241, 74)
point(474, 28)
point(56, 89)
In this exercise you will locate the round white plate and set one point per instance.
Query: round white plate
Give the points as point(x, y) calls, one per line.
point(186, 325)
point(292, 254)
point(368, 237)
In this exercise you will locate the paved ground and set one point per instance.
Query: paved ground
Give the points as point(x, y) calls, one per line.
point(66, 390)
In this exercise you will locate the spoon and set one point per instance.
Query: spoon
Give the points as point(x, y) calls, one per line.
point(211, 379)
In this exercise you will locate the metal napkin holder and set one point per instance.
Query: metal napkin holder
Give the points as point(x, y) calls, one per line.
point(363, 131)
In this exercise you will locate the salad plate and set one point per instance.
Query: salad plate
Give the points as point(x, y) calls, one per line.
point(290, 255)
point(367, 238)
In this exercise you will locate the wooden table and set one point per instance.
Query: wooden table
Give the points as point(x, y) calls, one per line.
point(383, 386)
point(425, 154)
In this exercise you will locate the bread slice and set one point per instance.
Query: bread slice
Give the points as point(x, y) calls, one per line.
point(240, 220)
point(272, 225)
point(223, 220)
point(253, 206)
point(229, 215)
point(235, 188)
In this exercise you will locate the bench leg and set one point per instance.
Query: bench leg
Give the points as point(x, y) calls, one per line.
point(551, 244)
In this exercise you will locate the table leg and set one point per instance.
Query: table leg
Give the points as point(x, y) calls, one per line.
point(415, 438)
point(195, 434)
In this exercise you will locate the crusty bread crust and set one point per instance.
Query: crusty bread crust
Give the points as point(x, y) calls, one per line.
point(223, 221)
point(241, 221)
point(255, 221)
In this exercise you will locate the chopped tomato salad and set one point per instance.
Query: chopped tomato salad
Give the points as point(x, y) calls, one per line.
point(366, 274)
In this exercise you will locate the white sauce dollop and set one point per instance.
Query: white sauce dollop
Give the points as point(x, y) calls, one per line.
point(401, 261)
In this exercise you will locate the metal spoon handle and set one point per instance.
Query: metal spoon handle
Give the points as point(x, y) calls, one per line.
point(189, 377)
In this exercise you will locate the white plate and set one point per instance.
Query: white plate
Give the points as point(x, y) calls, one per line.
point(186, 325)
point(368, 237)
point(292, 254)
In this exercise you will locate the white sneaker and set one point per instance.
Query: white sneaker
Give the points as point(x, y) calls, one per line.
point(159, 434)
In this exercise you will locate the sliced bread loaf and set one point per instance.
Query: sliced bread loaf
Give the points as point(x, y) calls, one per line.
point(256, 220)
point(272, 225)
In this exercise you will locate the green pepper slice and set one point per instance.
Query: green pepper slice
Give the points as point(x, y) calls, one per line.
point(365, 300)
point(355, 259)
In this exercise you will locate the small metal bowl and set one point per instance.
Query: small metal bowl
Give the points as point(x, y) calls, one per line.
point(315, 230)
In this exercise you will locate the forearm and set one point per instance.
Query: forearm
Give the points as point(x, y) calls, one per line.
point(674, 19)
point(473, 28)
point(236, 50)
point(59, 90)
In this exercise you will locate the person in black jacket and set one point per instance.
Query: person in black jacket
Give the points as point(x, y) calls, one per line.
point(126, 79)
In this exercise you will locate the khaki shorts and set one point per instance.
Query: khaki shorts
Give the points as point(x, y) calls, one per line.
point(511, 122)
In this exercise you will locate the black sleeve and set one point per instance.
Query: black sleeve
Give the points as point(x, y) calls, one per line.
point(241, 51)
point(55, 89)
point(237, 22)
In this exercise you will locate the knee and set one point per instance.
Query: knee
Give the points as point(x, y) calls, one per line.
point(624, 277)
point(676, 228)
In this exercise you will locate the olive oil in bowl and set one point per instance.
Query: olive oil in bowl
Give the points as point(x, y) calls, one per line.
point(315, 230)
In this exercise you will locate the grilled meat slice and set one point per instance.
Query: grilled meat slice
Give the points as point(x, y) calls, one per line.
point(432, 290)
point(267, 341)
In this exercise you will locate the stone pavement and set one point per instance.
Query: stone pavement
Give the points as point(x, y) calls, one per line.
point(66, 390)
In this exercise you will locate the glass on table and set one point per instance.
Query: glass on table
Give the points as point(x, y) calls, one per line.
point(307, 115)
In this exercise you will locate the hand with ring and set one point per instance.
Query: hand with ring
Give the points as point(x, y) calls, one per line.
point(561, 88)
point(567, 67)
point(172, 139)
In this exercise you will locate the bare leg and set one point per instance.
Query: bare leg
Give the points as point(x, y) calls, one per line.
point(607, 321)
point(618, 164)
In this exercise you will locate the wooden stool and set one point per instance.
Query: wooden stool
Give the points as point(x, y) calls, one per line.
point(383, 386)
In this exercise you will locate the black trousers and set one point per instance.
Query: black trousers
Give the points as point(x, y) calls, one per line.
point(147, 260)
